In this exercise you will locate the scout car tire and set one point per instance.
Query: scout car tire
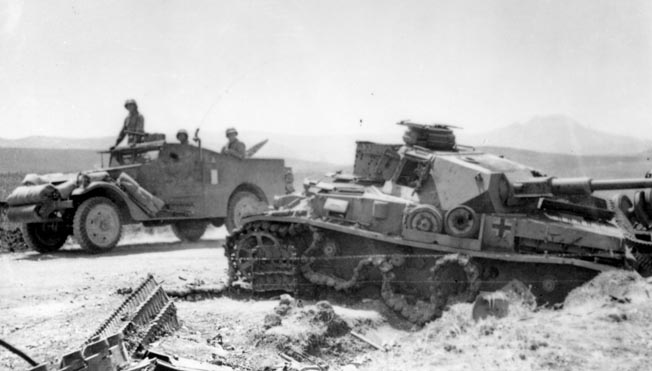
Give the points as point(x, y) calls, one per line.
point(242, 204)
point(45, 237)
point(97, 226)
point(189, 230)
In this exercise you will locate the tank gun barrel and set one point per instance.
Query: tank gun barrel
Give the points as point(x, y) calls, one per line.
point(551, 186)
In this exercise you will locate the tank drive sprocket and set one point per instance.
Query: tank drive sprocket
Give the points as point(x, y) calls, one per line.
point(262, 257)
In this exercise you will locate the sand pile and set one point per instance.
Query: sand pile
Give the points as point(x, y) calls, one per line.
point(614, 286)
point(318, 330)
point(604, 324)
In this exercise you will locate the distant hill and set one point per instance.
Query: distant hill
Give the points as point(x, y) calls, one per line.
point(562, 165)
point(40, 160)
point(546, 134)
point(557, 134)
point(557, 144)
point(58, 142)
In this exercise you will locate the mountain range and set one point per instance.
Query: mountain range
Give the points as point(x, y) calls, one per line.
point(533, 142)
point(549, 134)
point(558, 134)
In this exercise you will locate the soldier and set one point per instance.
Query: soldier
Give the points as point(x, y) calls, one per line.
point(182, 136)
point(235, 147)
point(134, 125)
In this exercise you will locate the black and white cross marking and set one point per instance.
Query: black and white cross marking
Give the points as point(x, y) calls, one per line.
point(501, 227)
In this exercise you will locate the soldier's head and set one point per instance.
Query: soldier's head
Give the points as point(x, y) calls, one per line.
point(232, 134)
point(131, 105)
point(182, 136)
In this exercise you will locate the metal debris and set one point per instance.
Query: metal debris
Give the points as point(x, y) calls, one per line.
point(493, 304)
point(366, 340)
point(147, 314)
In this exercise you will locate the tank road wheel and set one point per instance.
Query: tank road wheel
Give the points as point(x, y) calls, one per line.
point(45, 237)
point(243, 203)
point(455, 279)
point(189, 230)
point(461, 221)
point(97, 226)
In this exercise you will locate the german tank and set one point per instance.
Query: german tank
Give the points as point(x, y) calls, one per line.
point(429, 223)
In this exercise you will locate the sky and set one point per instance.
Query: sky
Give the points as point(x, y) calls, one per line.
point(322, 67)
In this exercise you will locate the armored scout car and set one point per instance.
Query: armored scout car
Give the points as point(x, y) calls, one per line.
point(430, 223)
point(153, 183)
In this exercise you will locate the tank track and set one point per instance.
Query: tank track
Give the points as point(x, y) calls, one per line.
point(145, 315)
point(641, 250)
point(419, 285)
point(274, 270)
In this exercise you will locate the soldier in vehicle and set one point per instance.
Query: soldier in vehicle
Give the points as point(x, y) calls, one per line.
point(134, 125)
point(235, 147)
point(182, 136)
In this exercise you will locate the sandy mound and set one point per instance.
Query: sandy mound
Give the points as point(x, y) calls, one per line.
point(616, 285)
point(604, 325)
point(320, 330)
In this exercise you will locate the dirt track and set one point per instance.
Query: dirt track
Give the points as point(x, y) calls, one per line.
point(51, 303)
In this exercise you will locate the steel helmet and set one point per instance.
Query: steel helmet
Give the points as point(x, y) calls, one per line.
point(231, 131)
point(182, 131)
point(131, 101)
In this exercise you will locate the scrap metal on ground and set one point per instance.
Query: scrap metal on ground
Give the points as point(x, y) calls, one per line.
point(145, 315)
point(122, 341)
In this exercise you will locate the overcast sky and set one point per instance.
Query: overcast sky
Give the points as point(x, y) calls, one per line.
point(66, 67)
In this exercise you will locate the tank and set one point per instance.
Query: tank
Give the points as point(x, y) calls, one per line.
point(429, 223)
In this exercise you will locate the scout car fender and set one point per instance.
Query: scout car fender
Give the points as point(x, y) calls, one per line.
point(249, 187)
point(129, 211)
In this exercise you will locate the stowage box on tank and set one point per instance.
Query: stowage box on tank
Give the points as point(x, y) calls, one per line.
point(430, 223)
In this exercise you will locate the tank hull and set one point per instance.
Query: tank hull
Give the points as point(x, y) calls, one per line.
point(418, 280)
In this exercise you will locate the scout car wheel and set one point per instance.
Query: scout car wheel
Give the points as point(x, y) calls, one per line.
point(189, 230)
point(97, 226)
point(45, 237)
point(242, 204)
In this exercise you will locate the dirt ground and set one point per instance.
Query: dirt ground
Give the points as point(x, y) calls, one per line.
point(50, 303)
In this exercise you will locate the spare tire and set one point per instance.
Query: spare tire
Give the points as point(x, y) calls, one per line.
point(462, 222)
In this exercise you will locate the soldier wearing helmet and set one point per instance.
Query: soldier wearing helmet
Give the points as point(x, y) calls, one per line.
point(235, 147)
point(133, 126)
point(182, 136)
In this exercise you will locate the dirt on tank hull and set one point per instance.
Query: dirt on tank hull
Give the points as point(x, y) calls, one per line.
point(429, 224)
